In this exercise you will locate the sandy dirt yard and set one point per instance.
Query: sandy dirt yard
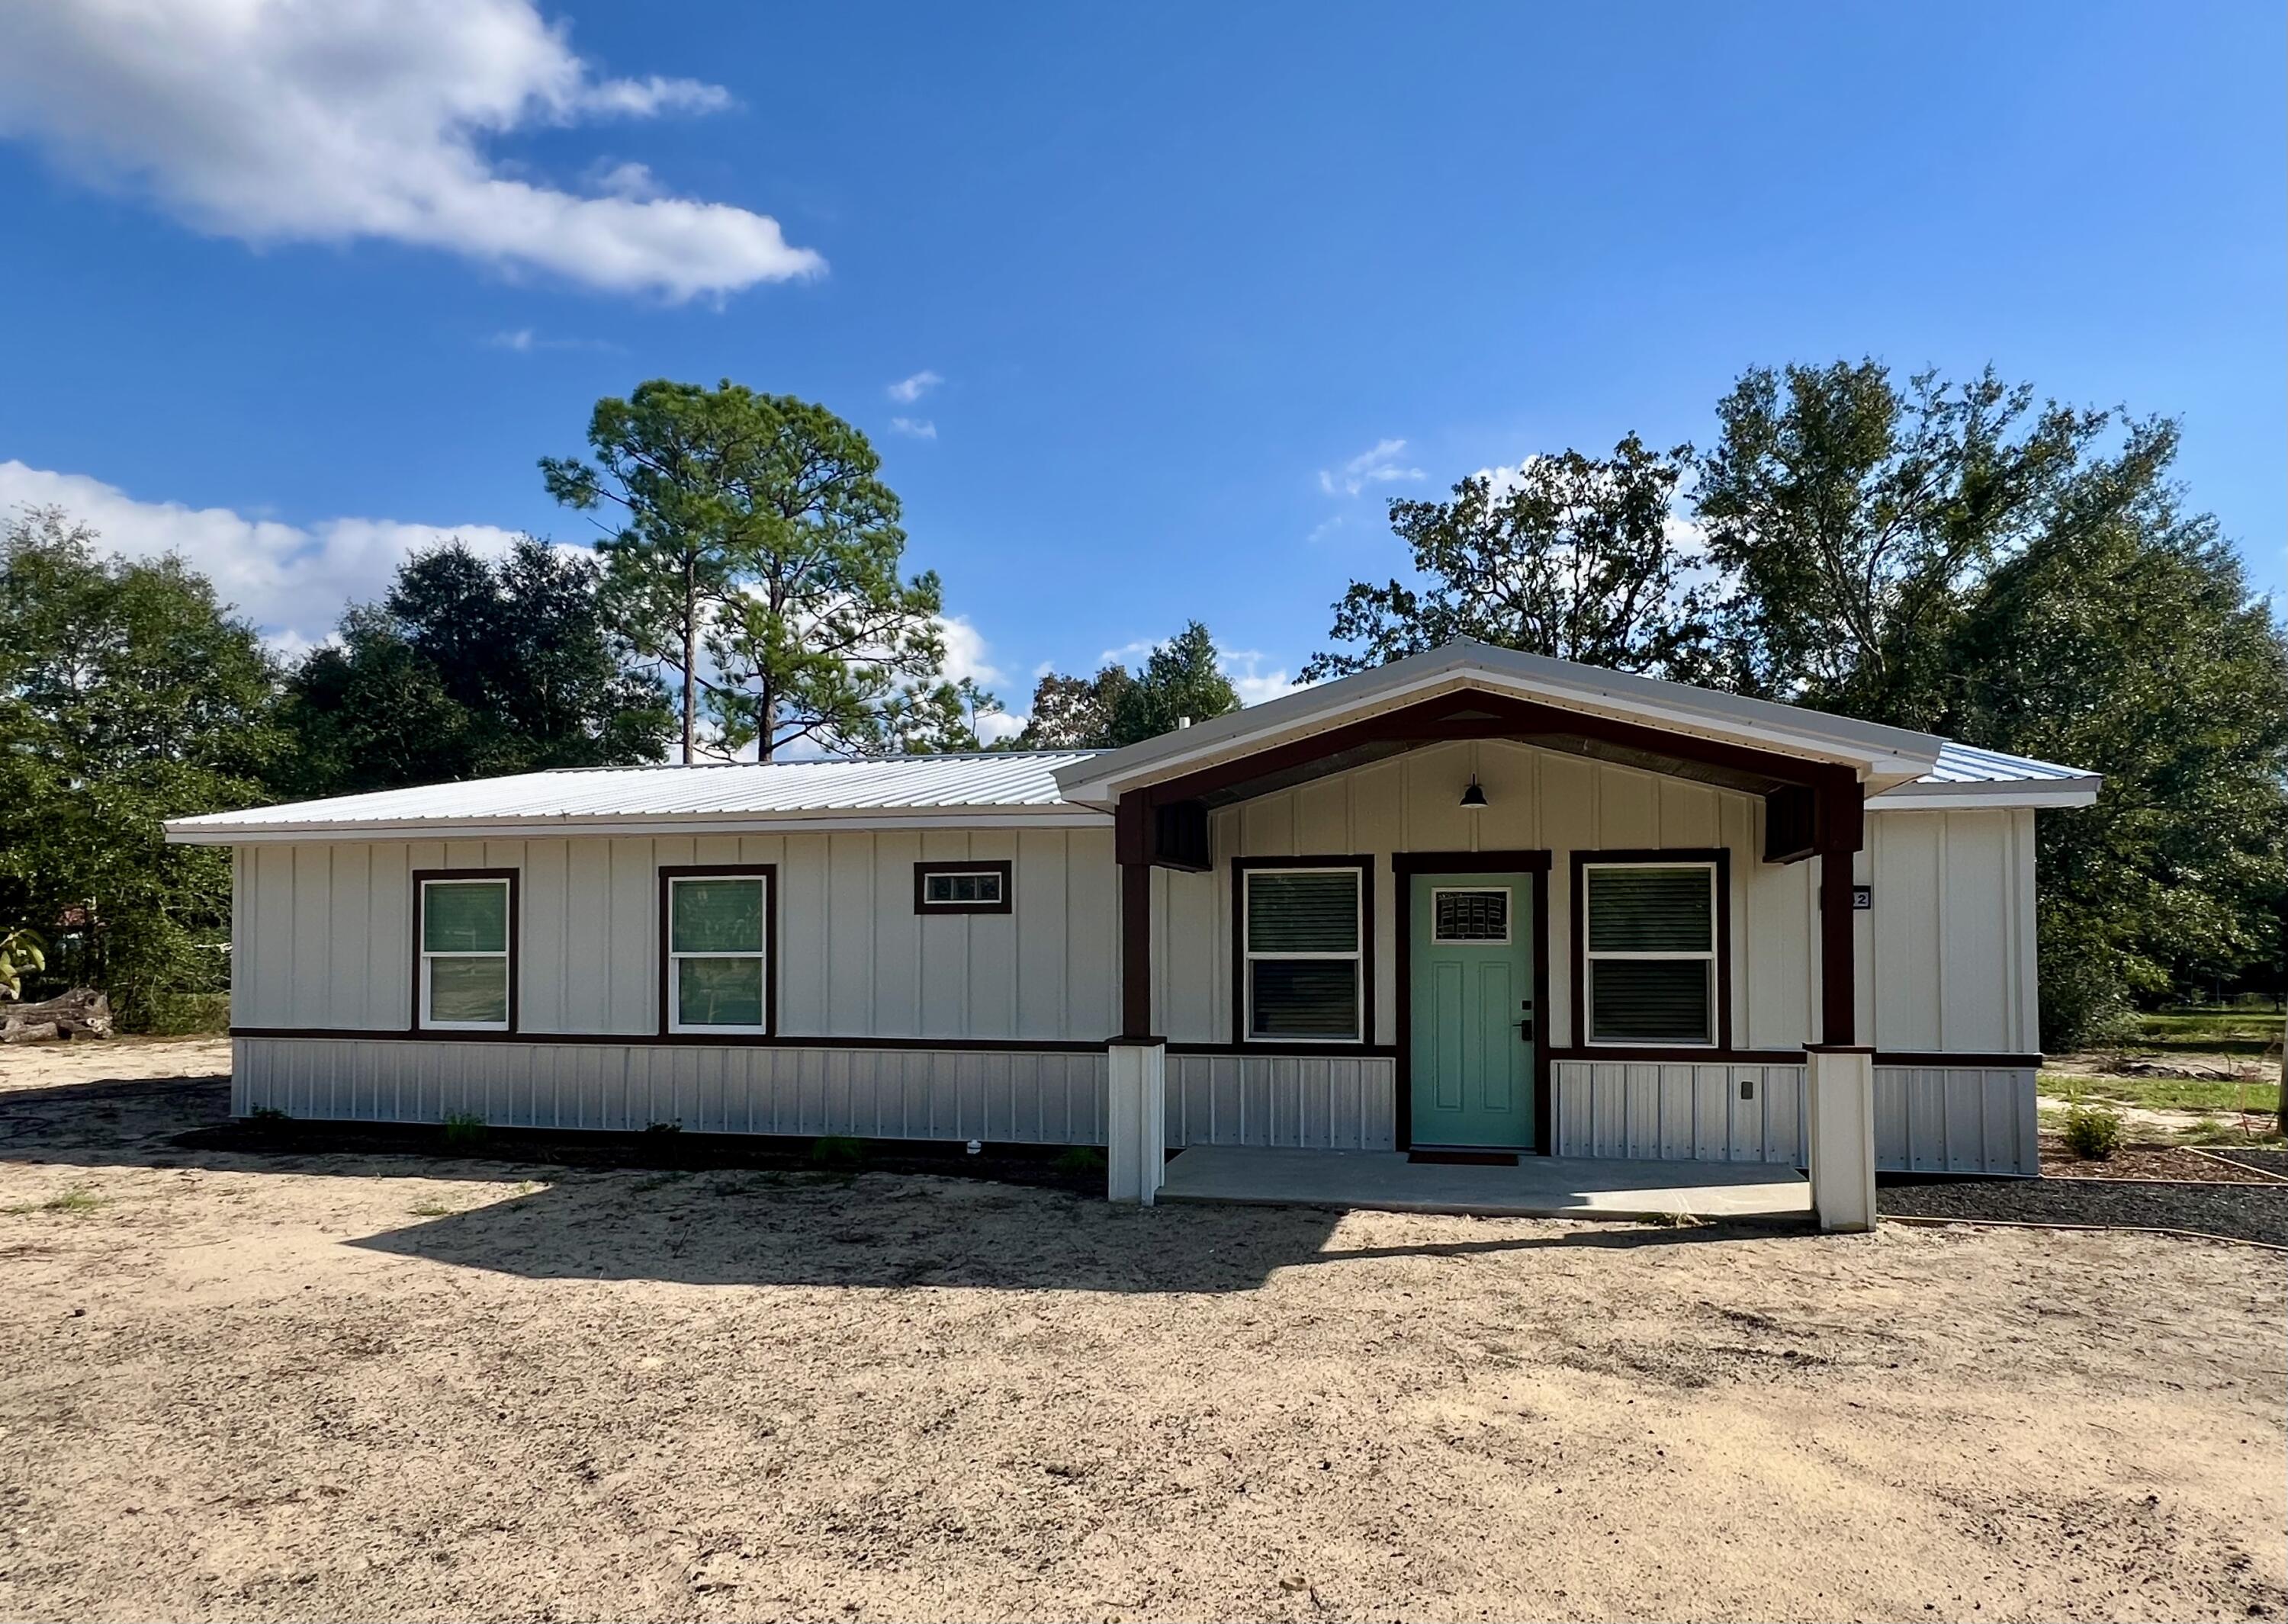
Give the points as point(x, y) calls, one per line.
point(236, 1386)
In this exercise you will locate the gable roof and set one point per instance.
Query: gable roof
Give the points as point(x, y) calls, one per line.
point(1068, 788)
point(1880, 756)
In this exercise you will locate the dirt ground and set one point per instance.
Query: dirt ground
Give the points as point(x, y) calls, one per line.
point(303, 1386)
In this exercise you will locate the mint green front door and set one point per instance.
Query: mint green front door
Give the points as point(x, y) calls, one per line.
point(1470, 1058)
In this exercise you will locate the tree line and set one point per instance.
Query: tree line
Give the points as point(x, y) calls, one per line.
point(1956, 558)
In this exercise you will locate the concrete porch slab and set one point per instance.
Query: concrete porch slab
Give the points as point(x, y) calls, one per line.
point(1537, 1187)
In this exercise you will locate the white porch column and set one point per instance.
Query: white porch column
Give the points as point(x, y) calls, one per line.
point(1840, 1088)
point(1136, 1150)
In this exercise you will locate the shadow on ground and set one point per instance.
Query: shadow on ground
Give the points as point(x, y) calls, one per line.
point(726, 1210)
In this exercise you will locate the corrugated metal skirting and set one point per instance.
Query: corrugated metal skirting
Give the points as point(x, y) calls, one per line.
point(1305, 1102)
point(1020, 1097)
point(1928, 1120)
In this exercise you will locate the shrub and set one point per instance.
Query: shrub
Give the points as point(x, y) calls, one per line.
point(465, 1127)
point(1080, 1159)
point(836, 1150)
point(2093, 1132)
point(268, 1115)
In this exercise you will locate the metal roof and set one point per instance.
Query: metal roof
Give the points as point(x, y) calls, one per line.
point(1882, 755)
point(1005, 789)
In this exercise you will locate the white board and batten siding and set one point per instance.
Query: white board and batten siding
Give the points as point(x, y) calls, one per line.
point(323, 940)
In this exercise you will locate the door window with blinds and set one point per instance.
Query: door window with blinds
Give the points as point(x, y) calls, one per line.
point(1650, 952)
point(464, 955)
point(716, 951)
point(1302, 943)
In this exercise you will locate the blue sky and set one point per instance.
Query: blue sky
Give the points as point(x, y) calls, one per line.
point(1200, 287)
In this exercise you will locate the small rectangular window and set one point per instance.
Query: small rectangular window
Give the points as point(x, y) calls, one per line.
point(980, 887)
point(465, 973)
point(717, 951)
point(1650, 956)
point(1303, 947)
point(1466, 916)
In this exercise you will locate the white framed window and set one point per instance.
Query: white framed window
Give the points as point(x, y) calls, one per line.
point(1470, 916)
point(717, 953)
point(466, 943)
point(980, 887)
point(1302, 947)
point(1650, 956)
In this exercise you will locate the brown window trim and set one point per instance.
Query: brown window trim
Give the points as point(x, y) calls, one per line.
point(1722, 857)
point(701, 871)
point(514, 876)
point(994, 865)
point(1364, 1041)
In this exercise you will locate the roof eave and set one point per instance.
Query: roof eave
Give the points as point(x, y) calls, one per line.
point(197, 832)
point(2032, 793)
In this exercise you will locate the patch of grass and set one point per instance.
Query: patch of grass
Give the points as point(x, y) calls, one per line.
point(77, 1201)
point(1672, 1220)
point(267, 1113)
point(836, 1150)
point(2093, 1132)
point(2235, 1031)
point(663, 1128)
point(432, 1209)
point(2234, 1130)
point(1079, 1160)
point(466, 1128)
point(2163, 1093)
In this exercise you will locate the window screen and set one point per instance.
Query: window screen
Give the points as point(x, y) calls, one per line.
point(1302, 941)
point(465, 954)
point(1650, 957)
point(716, 953)
point(1470, 916)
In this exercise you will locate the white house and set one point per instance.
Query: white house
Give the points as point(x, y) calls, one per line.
point(1473, 898)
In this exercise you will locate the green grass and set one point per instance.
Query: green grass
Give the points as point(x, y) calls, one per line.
point(2228, 1130)
point(2224, 1032)
point(75, 1200)
point(2163, 1093)
point(432, 1209)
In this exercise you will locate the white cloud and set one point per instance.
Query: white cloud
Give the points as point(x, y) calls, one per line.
point(290, 581)
point(967, 655)
point(270, 122)
point(523, 341)
point(1244, 668)
point(906, 390)
point(920, 428)
point(1381, 465)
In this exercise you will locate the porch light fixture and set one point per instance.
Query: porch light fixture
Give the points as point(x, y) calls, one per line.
point(1473, 799)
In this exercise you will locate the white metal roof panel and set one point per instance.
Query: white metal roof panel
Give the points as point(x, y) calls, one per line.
point(1017, 788)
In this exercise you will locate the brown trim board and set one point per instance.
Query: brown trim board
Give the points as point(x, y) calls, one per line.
point(514, 876)
point(1403, 867)
point(769, 875)
point(1240, 868)
point(1722, 857)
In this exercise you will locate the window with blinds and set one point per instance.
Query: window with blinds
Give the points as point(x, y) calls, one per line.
point(715, 946)
point(1303, 944)
point(464, 955)
point(1650, 952)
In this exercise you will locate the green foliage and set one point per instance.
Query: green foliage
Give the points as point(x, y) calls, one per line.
point(2126, 640)
point(469, 668)
point(128, 695)
point(1180, 679)
point(837, 1150)
point(20, 950)
point(268, 1114)
point(466, 1129)
point(1856, 520)
point(1080, 1160)
point(2093, 1132)
point(1569, 555)
point(756, 552)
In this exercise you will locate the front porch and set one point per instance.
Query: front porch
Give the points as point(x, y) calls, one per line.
point(1535, 1187)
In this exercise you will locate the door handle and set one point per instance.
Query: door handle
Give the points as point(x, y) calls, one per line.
point(1525, 1030)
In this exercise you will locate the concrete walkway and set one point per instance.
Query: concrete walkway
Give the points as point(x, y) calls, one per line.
point(1537, 1187)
